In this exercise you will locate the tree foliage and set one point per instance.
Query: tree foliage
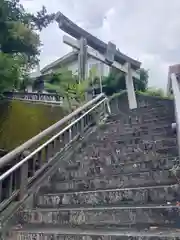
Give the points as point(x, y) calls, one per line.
point(9, 72)
point(18, 28)
point(19, 40)
point(141, 84)
point(115, 81)
point(67, 85)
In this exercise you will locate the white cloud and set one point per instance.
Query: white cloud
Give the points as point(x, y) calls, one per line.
point(146, 30)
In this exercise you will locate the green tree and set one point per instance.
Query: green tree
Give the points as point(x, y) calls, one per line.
point(67, 85)
point(19, 28)
point(115, 81)
point(142, 83)
point(19, 41)
point(9, 72)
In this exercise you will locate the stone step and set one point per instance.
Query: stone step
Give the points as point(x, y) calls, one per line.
point(136, 130)
point(126, 126)
point(121, 105)
point(150, 99)
point(143, 133)
point(111, 150)
point(156, 113)
point(164, 151)
point(111, 156)
point(136, 143)
point(153, 103)
point(140, 119)
point(135, 122)
point(145, 109)
point(103, 217)
point(122, 196)
point(146, 178)
point(148, 121)
point(94, 157)
point(99, 166)
point(56, 233)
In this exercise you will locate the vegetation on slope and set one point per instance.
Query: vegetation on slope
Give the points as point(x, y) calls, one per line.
point(19, 121)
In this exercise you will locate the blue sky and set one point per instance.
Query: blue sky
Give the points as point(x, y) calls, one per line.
point(147, 30)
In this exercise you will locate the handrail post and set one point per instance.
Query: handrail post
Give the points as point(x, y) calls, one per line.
point(23, 180)
point(108, 107)
point(70, 135)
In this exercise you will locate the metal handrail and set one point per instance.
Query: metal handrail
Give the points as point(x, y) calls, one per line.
point(15, 182)
point(175, 85)
point(10, 156)
point(7, 173)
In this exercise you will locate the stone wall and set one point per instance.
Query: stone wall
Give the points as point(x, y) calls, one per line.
point(119, 104)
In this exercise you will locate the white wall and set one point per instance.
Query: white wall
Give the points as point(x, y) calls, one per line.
point(73, 66)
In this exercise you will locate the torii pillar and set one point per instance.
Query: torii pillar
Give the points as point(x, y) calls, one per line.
point(82, 59)
point(110, 53)
point(130, 88)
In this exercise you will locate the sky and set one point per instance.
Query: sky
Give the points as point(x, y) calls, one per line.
point(146, 30)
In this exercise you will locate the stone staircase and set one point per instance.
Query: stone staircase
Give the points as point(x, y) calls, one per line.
point(122, 183)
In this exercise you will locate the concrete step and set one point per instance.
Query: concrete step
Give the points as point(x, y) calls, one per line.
point(146, 178)
point(56, 233)
point(103, 217)
point(122, 196)
point(99, 167)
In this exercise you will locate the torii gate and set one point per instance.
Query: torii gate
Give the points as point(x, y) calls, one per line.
point(105, 53)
